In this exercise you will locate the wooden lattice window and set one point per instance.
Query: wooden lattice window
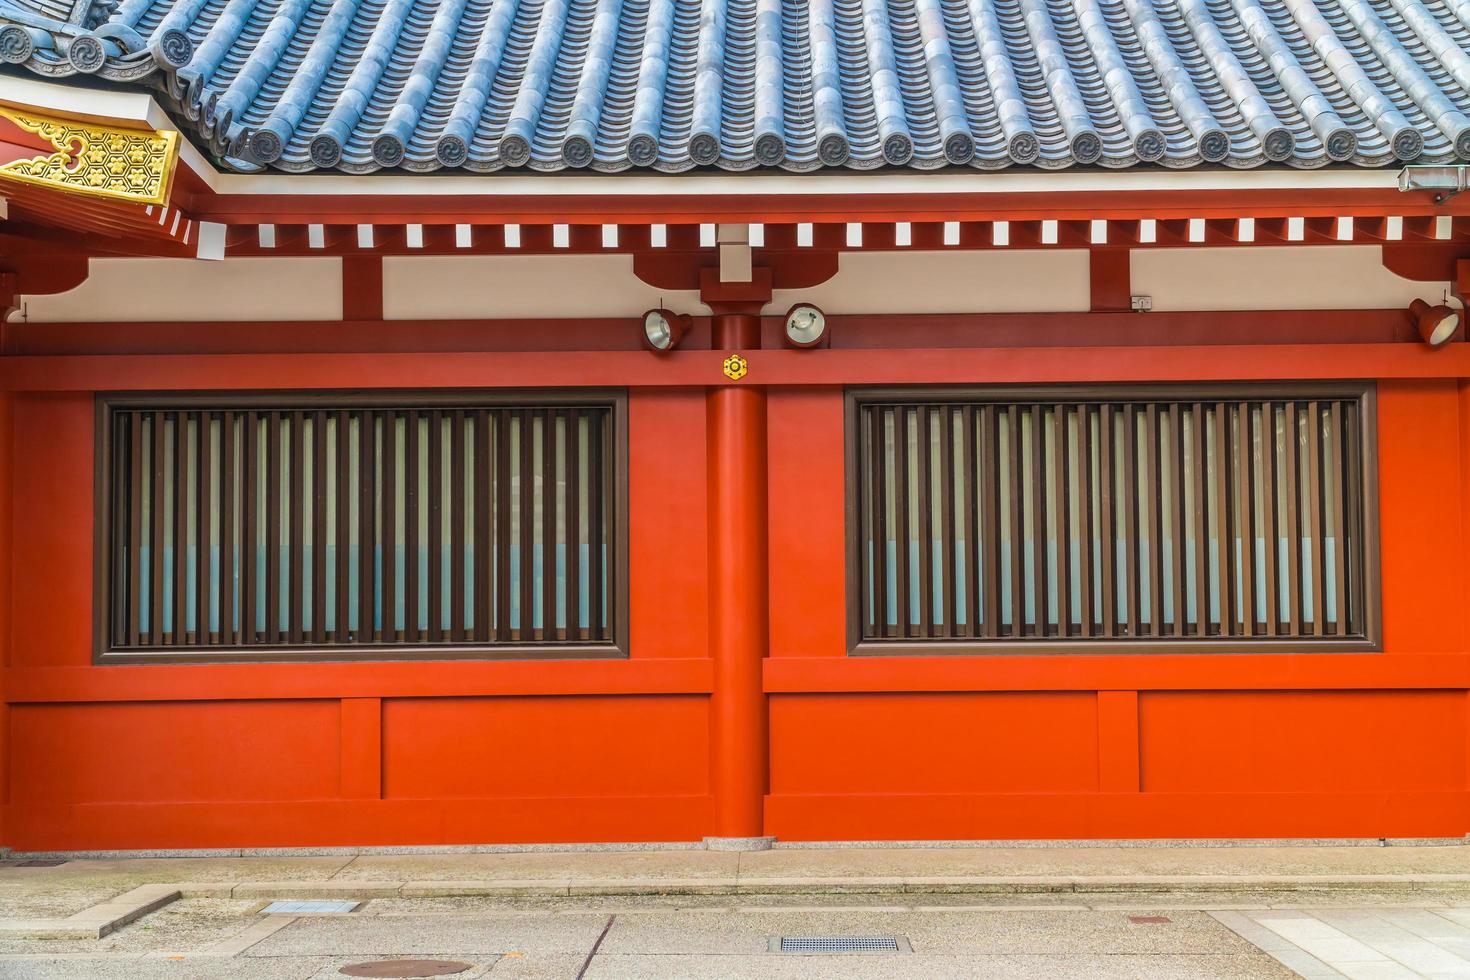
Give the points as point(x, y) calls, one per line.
point(340, 527)
point(1163, 518)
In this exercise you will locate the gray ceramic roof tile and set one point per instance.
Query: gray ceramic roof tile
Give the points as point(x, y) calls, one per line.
point(609, 85)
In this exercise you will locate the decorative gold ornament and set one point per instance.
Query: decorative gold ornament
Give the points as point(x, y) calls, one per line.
point(736, 367)
point(124, 164)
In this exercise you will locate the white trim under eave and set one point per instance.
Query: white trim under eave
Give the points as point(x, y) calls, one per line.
point(141, 109)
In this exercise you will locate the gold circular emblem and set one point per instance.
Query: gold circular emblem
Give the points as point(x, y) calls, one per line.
point(736, 367)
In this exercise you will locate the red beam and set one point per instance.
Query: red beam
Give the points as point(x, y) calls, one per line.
point(207, 205)
point(1056, 365)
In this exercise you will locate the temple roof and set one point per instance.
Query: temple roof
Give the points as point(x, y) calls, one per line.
point(669, 85)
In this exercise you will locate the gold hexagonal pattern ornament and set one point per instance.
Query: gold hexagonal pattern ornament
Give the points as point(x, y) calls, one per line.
point(736, 367)
point(123, 164)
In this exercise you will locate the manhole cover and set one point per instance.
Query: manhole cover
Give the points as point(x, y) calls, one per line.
point(839, 944)
point(405, 968)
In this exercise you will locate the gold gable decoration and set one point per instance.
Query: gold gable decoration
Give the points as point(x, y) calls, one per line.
point(122, 164)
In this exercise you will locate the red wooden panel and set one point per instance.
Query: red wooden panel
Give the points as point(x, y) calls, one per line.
point(669, 579)
point(52, 537)
point(806, 475)
point(1423, 555)
point(933, 743)
point(561, 747)
point(1302, 741)
point(174, 752)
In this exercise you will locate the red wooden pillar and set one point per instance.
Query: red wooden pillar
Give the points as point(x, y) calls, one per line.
point(736, 427)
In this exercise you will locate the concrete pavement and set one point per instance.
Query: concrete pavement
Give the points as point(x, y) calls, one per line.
point(997, 911)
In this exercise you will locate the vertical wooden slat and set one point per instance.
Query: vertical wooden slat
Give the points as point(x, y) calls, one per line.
point(435, 510)
point(181, 528)
point(1224, 520)
point(456, 527)
point(118, 491)
point(1132, 545)
point(367, 521)
point(1040, 605)
point(228, 544)
point(319, 527)
point(525, 539)
point(547, 476)
point(389, 536)
point(295, 613)
point(1017, 521)
point(574, 525)
point(484, 507)
point(297, 531)
point(1268, 519)
point(969, 461)
point(988, 482)
point(136, 492)
point(596, 489)
point(343, 498)
point(1177, 520)
point(273, 528)
point(502, 525)
point(526, 530)
point(1339, 509)
point(1356, 596)
point(204, 516)
point(1085, 415)
point(1292, 522)
point(1202, 585)
point(923, 502)
point(413, 503)
point(1107, 519)
point(1246, 503)
point(1154, 499)
point(1062, 476)
point(250, 476)
point(1313, 487)
point(946, 519)
point(876, 624)
point(610, 501)
point(902, 627)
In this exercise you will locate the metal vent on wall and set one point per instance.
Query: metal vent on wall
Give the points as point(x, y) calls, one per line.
point(839, 944)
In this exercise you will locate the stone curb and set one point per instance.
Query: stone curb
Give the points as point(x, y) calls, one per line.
point(588, 887)
point(102, 919)
point(97, 921)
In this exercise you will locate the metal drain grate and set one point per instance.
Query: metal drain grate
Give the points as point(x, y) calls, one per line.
point(317, 907)
point(839, 944)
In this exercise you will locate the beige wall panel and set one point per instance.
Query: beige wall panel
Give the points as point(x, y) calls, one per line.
point(1302, 277)
point(189, 289)
point(991, 281)
point(494, 287)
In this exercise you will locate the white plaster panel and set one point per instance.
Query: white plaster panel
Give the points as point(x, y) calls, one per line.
point(492, 287)
point(987, 281)
point(191, 289)
point(1305, 277)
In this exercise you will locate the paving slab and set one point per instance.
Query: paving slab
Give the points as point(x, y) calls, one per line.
point(186, 968)
point(425, 935)
point(1248, 966)
point(990, 932)
point(541, 865)
point(1095, 861)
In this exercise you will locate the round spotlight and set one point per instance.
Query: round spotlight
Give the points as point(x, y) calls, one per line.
point(806, 326)
point(1437, 324)
point(663, 329)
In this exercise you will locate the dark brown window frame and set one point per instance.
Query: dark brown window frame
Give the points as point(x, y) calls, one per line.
point(1370, 641)
point(614, 400)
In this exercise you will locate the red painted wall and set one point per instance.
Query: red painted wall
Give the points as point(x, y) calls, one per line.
point(860, 748)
